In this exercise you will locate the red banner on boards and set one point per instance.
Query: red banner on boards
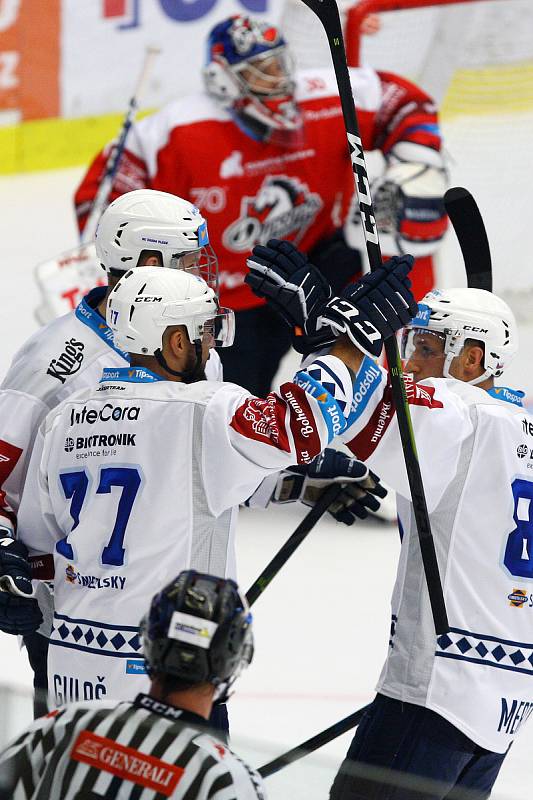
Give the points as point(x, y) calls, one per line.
point(29, 58)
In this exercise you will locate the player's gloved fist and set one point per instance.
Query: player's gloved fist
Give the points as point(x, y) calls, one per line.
point(19, 611)
point(375, 307)
point(307, 483)
point(294, 288)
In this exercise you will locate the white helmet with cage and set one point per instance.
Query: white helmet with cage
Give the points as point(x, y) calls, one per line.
point(148, 300)
point(456, 315)
point(146, 219)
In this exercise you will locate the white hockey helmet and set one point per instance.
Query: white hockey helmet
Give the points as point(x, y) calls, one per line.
point(147, 301)
point(456, 315)
point(146, 219)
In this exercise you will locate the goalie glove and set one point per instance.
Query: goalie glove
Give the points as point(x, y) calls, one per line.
point(19, 610)
point(408, 201)
point(360, 492)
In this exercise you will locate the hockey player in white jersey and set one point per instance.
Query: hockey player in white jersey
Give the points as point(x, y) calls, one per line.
point(447, 709)
point(143, 473)
point(69, 354)
point(197, 637)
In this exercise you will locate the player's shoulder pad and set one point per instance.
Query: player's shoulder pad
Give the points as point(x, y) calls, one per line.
point(316, 84)
point(470, 394)
point(58, 351)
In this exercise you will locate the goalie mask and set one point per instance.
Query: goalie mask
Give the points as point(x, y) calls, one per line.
point(199, 630)
point(455, 315)
point(145, 302)
point(146, 219)
point(250, 72)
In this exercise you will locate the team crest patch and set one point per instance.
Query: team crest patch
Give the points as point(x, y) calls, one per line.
point(283, 208)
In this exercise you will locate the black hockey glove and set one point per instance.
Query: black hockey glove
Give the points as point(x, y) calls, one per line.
point(306, 484)
point(19, 611)
point(375, 307)
point(294, 288)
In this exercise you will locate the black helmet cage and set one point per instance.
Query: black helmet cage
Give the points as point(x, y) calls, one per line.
point(205, 597)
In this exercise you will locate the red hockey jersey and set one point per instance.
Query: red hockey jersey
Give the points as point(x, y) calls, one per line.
point(251, 191)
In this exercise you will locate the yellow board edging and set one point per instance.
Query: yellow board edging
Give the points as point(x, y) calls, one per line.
point(57, 143)
point(490, 90)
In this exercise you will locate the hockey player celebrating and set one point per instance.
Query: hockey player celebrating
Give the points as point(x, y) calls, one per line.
point(69, 354)
point(277, 166)
point(156, 445)
point(447, 709)
point(197, 637)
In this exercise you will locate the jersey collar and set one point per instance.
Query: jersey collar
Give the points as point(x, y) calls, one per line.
point(130, 375)
point(86, 312)
point(169, 711)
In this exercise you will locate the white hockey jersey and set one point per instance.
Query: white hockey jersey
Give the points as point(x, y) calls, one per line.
point(66, 355)
point(138, 479)
point(476, 459)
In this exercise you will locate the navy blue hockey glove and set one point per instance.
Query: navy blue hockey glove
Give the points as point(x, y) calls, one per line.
point(19, 611)
point(360, 492)
point(375, 307)
point(294, 288)
point(368, 311)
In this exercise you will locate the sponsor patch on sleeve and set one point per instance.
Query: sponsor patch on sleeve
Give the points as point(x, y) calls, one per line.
point(9, 456)
point(330, 408)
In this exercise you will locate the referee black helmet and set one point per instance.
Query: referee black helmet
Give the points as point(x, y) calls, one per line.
point(198, 630)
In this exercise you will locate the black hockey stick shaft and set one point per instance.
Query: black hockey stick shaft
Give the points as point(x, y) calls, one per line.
point(328, 14)
point(293, 542)
point(312, 744)
point(469, 228)
point(115, 155)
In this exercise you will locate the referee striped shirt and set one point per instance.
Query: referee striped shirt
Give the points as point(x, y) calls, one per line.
point(128, 751)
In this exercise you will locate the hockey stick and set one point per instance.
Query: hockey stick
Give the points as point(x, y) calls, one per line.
point(470, 230)
point(328, 14)
point(312, 744)
point(293, 542)
point(117, 150)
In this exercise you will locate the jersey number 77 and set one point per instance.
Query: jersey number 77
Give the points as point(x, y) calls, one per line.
point(75, 485)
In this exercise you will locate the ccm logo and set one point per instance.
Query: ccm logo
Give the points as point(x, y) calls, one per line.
point(148, 299)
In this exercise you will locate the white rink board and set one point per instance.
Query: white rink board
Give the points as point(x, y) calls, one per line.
point(322, 626)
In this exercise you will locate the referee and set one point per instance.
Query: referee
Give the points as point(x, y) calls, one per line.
point(196, 637)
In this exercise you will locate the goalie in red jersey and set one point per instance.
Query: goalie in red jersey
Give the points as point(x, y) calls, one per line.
point(263, 152)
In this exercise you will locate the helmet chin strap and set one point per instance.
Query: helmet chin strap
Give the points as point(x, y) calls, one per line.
point(187, 375)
